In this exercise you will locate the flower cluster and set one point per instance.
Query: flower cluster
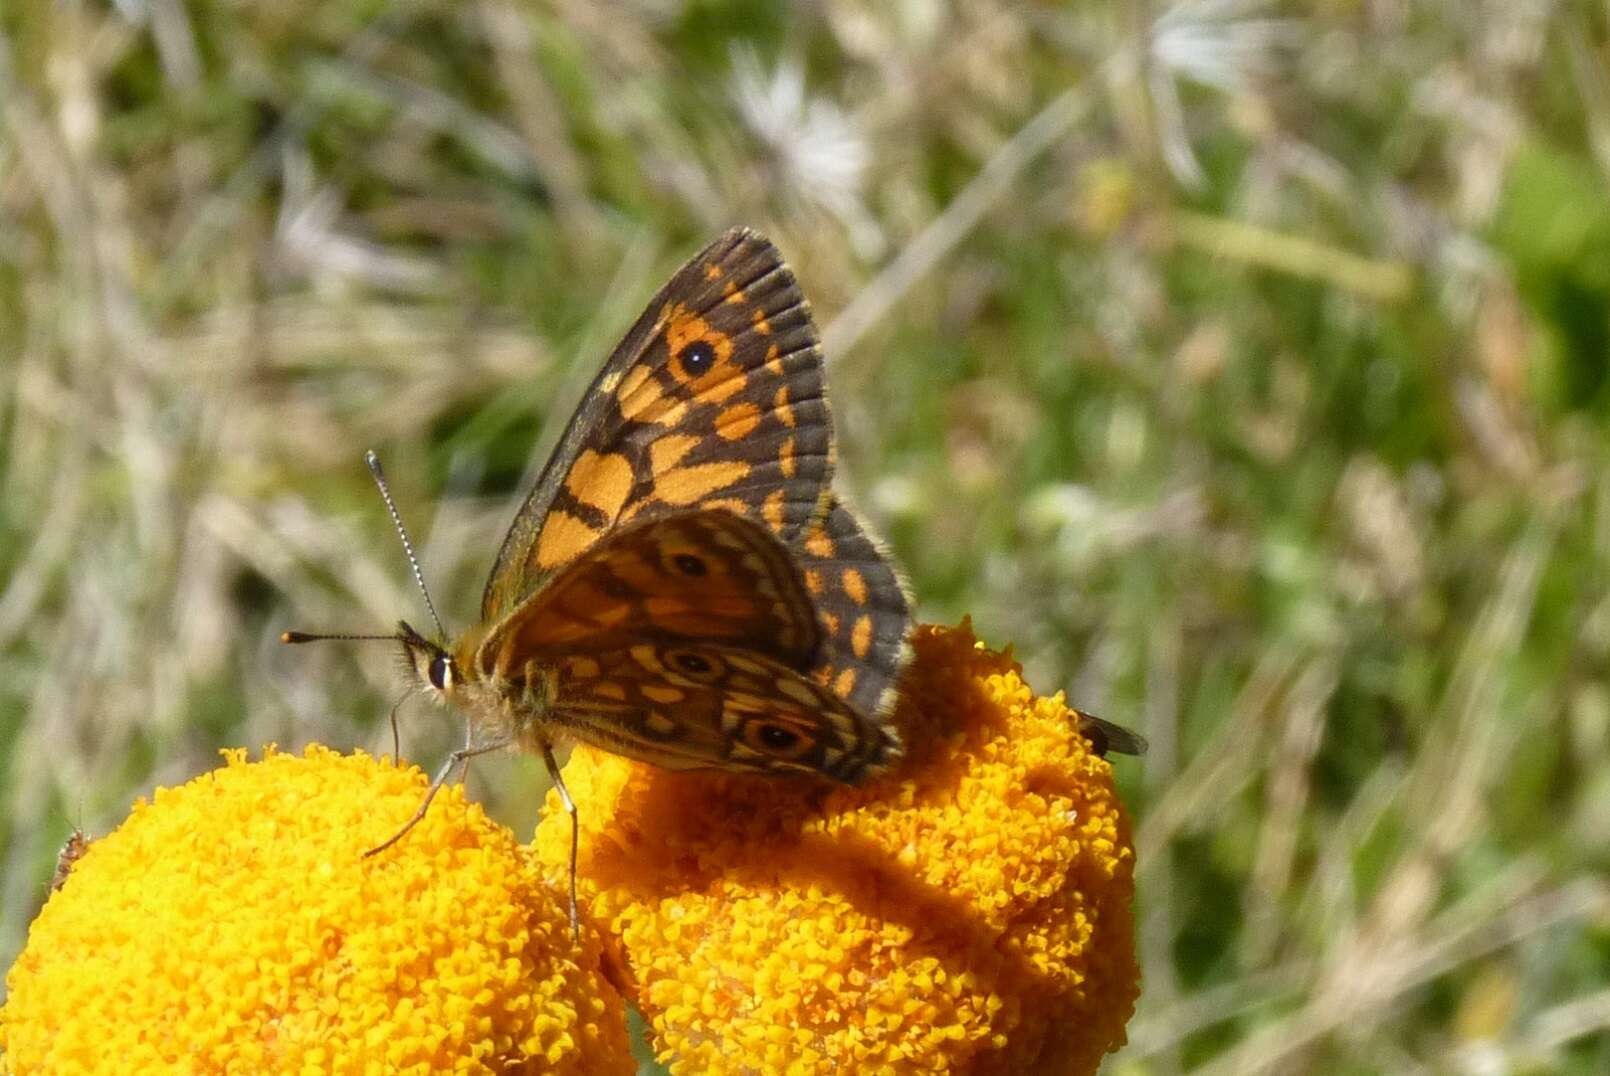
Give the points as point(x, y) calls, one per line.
point(234, 924)
point(968, 913)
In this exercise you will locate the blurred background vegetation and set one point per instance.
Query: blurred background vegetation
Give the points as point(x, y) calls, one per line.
point(1245, 365)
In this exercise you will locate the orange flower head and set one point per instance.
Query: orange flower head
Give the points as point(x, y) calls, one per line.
point(233, 924)
point(969, 913)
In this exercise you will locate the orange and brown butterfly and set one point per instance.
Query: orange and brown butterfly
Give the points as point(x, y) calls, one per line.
point(683, 586)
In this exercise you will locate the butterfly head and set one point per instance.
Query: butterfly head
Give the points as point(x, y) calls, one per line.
point(433, 666)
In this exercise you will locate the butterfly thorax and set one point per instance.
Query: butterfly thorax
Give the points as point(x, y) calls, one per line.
point(502, 705)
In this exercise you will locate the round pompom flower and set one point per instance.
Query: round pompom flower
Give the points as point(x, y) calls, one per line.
point(969, 913)
point(233, 924)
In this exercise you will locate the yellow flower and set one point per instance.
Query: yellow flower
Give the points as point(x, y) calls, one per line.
point(970, 913)
point(233, 924)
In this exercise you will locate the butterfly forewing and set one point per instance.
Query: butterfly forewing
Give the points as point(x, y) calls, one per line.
point(705, 575)
point(685, 706)
point(713, 399)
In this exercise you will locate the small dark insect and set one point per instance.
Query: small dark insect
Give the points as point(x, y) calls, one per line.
point(1105, 736)
point(71, 852)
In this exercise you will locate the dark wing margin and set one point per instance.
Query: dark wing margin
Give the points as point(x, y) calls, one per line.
point(864, 609)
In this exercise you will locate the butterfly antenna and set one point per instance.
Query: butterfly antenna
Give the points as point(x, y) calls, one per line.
point(373, 461)
point(317, 637)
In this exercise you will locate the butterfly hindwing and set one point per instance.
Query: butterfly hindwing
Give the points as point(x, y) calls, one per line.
point(863, 609)
point(715, 398)
point(702, 706)
point(706, 575)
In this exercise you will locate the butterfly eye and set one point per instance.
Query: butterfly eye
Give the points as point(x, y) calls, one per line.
point(441, 672)
point(696, 357)
point(688, 564)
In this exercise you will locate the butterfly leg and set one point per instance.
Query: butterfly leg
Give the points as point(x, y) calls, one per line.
point(396, 737)
point(575, 832)
point(460, 757)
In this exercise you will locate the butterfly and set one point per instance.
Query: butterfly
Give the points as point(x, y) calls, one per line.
point(683, 586)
